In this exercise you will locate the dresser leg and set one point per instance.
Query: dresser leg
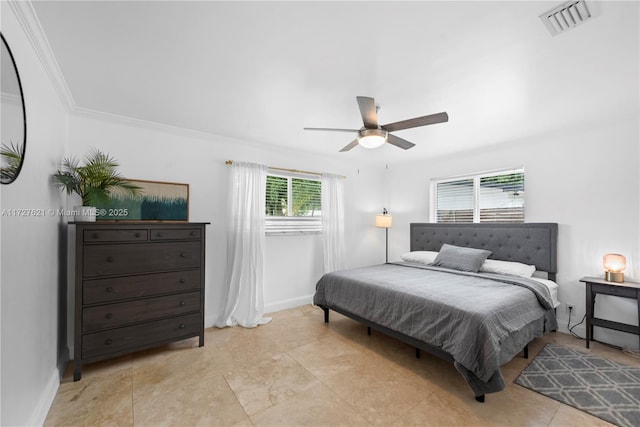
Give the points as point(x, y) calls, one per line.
point(201, 341)
point(77, 373)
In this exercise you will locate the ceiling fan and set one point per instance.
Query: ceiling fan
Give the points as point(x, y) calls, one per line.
point(372, 135)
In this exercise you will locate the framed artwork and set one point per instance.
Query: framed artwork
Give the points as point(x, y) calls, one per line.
point(157, 201)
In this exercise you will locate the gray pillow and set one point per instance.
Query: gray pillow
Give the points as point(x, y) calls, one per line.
point(459, 258)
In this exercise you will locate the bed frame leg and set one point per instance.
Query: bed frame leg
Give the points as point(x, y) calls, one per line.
point(417, 353)
point(368, 330)
point(326, 314)
point(526, 351)
point(480, 398)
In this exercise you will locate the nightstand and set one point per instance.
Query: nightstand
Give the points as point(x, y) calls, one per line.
point(600, 286)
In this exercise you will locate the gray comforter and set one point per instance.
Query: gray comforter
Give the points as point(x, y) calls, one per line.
point(482, 320)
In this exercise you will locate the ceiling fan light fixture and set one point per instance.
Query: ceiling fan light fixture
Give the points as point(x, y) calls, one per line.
point(372, 138)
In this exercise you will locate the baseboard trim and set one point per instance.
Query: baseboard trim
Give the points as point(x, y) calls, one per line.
point(288, 303)
point(41, 410)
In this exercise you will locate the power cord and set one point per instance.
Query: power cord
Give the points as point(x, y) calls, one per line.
point(570, 328)
point(630, 352)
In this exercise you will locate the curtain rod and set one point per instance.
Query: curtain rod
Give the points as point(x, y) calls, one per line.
point(230, 162)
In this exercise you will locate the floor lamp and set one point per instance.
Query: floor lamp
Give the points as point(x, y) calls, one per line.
point(384, 220)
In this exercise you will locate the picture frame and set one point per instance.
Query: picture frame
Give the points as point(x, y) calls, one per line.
point(157, 201)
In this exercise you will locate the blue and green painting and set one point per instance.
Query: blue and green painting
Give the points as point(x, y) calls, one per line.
point(157, 201)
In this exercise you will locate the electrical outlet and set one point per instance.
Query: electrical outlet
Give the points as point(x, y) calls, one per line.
point(570, 307)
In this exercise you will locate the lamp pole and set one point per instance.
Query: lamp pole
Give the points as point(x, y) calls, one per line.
point(386, 244)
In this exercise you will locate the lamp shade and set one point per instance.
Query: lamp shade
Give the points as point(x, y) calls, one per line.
point(614, 265)
point(384, 221)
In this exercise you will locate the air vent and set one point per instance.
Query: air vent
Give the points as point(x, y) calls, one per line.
point(566, 16)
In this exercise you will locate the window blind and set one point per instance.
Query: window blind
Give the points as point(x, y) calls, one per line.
point(502, 198)
point(293, 204)
point(489, 197)
point(454, 201)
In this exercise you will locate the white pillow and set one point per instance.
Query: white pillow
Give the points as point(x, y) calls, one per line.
point(508, 268)
point(420, 257)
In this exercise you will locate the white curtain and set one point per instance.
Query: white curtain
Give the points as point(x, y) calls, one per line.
point(333, 222)
point(245, 246)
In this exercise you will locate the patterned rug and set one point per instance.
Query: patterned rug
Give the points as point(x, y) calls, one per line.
point(600, 387)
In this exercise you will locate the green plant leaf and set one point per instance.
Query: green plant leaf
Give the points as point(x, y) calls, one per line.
point(96, 180)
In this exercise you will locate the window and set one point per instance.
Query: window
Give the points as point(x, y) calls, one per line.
point(487, 197)
point(293, 204)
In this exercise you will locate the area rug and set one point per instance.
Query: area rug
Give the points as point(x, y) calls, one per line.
point(600, 387)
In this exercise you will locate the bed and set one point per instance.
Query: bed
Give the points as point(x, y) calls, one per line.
point(436, 302)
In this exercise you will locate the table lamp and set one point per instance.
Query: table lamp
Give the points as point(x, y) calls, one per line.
point(614, 265)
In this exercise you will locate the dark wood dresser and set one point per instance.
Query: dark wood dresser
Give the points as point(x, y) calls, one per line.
point(137, 285)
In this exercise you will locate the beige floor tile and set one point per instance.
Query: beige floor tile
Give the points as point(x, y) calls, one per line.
point(259, 386)
point(207, 401)
point(297, 370)
point(317, 406)
point(327, 356)
point(442, 408)
point(103, 400)
point(516, 406)
point(566, 416)
point(381, 394)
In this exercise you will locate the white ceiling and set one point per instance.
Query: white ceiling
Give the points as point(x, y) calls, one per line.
point(261, 71)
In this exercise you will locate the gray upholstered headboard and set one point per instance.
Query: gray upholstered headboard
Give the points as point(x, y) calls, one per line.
point(529, 243)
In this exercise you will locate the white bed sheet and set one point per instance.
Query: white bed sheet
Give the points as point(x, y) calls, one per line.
point(553, 289)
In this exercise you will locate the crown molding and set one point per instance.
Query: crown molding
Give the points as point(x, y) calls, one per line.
point(145, 124)
point(30, 23)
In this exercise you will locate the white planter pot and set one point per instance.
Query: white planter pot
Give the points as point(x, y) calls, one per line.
point(85, 214)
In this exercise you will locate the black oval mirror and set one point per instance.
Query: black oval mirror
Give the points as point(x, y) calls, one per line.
point(13, 119)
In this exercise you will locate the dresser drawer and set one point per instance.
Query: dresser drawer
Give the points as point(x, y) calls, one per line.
point(175, 233)
point(113, 289)
point(116, 259)
point(130, 338)
point(101, 235)
point(119, 314)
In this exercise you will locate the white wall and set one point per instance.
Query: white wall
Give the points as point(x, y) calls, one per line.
point(587, 180)
point(293, 263)
point(32, 345)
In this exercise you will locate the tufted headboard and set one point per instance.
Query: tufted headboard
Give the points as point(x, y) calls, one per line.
point(529, 243)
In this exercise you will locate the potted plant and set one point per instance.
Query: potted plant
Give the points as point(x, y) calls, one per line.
point(94, 181)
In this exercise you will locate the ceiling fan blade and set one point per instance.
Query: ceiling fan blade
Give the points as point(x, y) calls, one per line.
point(333, 129)
point(416, 122)
point(399, 142)
point(368, 111)
point(350, 145)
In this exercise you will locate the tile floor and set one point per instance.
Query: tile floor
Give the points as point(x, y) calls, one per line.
point(296, 371)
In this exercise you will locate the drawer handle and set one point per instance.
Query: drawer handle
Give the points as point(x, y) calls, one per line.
point(109, 289)
point(182, 326)
point(181, 281)
point(183, 255)
point(182, 303)
point(193, 233)
point(109, 315)
point(109, 259)
point(95, 235)
point(108, 342)
point(159, 234)
point(137, 235)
